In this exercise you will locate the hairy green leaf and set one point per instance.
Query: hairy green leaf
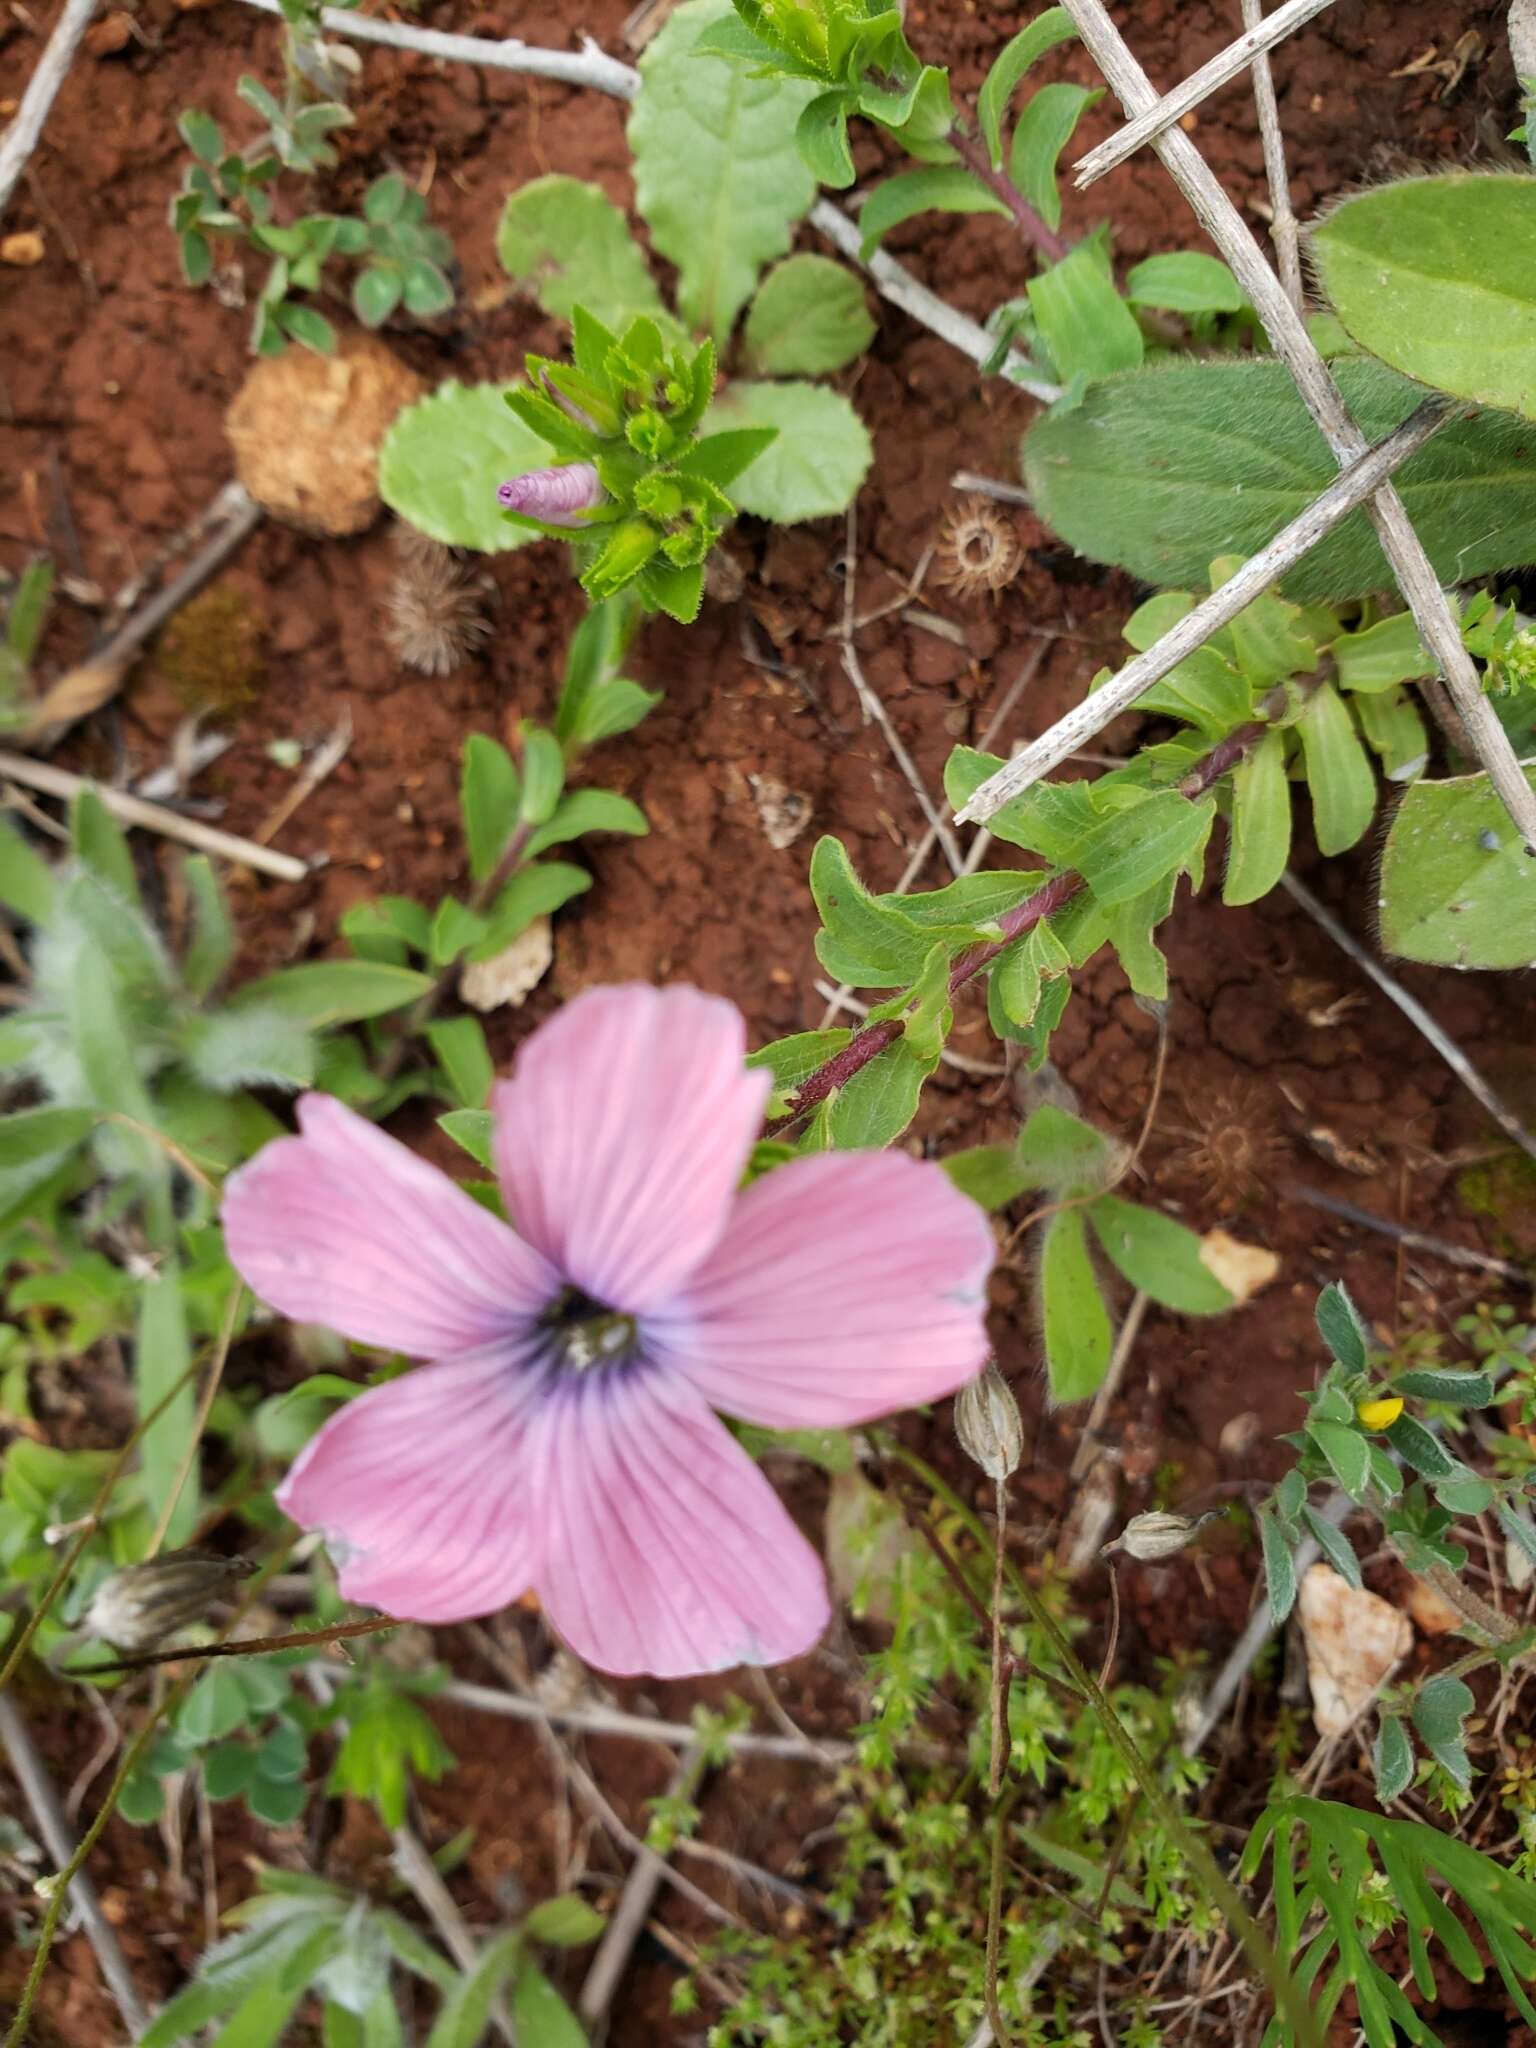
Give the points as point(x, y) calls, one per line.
point(1334, 1545)
point(815, 466)
point(1083, 321)
point(1342, 1327)
point(443, 458)
point(1392, 1759)
point(162, 1354)
point(1279, 1568)
point(1260, 823)
point(326, 992)
point(1339, 773)
point(1078, 1337)
point(1157, 1255)
point(1185, 281)
point(1457, 886)
point(1134, 848)
point(875, 1107)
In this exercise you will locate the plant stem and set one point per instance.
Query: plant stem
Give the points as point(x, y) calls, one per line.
point(1000, 1814)
point(999, 1661)
point(973, 155)
point(250, 1646)
point(1202, 1865)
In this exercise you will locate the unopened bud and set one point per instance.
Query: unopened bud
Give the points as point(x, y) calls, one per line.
point(554, 495)
point(138, 1606)
point(1159, 1534)
point(987, 1423)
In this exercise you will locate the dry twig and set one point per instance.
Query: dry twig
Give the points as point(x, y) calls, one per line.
point(1282, 227)
point(21, 137)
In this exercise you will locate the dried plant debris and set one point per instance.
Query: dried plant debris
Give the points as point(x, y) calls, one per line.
point(783, 812)
point(1230, 1148)
point(978, 548)
point(435, 616)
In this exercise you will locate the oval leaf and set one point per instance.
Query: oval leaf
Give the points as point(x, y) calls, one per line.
point(443, 458)
point(814, 468)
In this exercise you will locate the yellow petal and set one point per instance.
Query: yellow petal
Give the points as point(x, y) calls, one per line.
point(1380, 1414)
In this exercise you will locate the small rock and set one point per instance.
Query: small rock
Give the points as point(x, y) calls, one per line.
point(1432, 1614)
point(306, 429)
point(1352, 1639)
point(114, 32)
point(784, 812)
point(508, 977)
point(1243, 1269)
point(23, 249)
point(1239, 1436)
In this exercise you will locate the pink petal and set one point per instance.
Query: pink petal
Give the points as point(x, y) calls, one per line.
point(345, 1227)
point(667, 1551)
point(846, 1286)
point(421, 1488)
point(622, 1133)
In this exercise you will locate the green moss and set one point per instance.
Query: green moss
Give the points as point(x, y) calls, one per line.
point(211, 652)
point(1503, 1190)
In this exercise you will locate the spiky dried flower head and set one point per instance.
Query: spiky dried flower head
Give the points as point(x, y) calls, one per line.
point(978, 548)
point(434, 612)
point(1230, 1146)
point(988, 1425)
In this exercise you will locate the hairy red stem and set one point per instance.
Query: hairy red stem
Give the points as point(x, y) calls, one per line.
point(974, 156)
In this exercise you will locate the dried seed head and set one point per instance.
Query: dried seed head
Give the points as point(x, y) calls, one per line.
point(978, 548)
point(988, 1425)
point(139, 1605)
point(434, 611)
point(1159, 1534)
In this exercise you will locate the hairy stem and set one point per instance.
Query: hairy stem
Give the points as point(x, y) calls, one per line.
point(249, 1646)
point(974, 156)
point(1000, 1813)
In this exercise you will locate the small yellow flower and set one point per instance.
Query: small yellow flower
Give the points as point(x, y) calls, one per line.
point(1380, 1414)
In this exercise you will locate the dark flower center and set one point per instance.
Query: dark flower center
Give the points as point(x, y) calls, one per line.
point(585, 1333)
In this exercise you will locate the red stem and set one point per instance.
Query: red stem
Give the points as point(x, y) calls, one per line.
point(974, 156)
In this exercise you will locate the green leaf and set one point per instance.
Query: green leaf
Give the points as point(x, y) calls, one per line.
point(536, 891)
point(443, 458)
point(228, 1769)
point(327, 992)
point(718, 174)
point(465, 2013)
point(1335, 1546)
point(475, 1130)
point(1457, 886)
point(215, 1708)
point(375, 294)
point(1392, 1759)
point(1465, 1494)
point(942, 188)
point(815, 466)
point(1133, 849)
point(570, 243)
point(1279, 1568)
point(1347, 1453)
point(26, 880)
point(543, 774)
point(1061, 1153)
point(1458, 1389)
point(388, 1736)
point(1420, 1448)
point(1391, 723)
point(791, 1061)
point(248, 1046)
point(863, 942)
point(875, 1107)
point(565, 1922)
point(810, 316)
point(821, 134)
point(202, 134)
point(989, 1174)
point(1008, 68)
point(541, 2015)
point(101, 846)
point(607, 710)
point(1043, 132)
point(1437, 276)
point(589, 810)
point(1160, 469)
point(162, 1354)
point(211, 945)
point(1440, 1706)
point(1381, 656)
point(1339, 773)
point(1260, 842)
point(31, 1134)
point(490, 800)
point(459, 1043)
point(1342, 1328)
point(304, 325)
point(1157, 1255)
point(1082, 319)
point(104, 1043)
point(1185, 281)
point(1078, 1337)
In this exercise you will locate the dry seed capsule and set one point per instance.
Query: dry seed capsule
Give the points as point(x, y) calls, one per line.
point(139, 1605)
point(987, 1423)
point(1159, 1534)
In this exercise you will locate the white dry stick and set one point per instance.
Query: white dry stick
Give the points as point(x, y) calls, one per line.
point(1155, 115)
point(600, 1720)
point(20, 138)
point(989, 487)
point(1353, 486)
point(133, 810)
point(1417, 1015)
point(625, 1924)
point(1287, 331)
point(1282, 227)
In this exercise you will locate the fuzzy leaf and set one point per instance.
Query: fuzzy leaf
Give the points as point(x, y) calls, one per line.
point(1339, 774)
point(1459, 1389)
point(26, 880)
point(326, 992)
point(718, 174)
point(1157, 1255)
point(941, 188)
point(1347, 1453)
point(1260, 843)
point(1160, 469)
point(443, 458)
point(810, 316)
point(1392, 1759)
point(815, 466)
point(1078, 1337)
point(162, 1354)
point(1381, 656)
point(1335, 1546)
point(1279, 1568)
point(1185, 281)
point(1083, 321)
point(572, 245)
point(1457, 886)
point(1133, 849)
point(875, 1107)
point(1008, 68)
point(1342, 1328)
point(1440, 1706)
point(1437, 276)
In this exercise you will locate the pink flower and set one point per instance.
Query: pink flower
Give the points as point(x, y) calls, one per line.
point(557, 496)
point(564, 1437)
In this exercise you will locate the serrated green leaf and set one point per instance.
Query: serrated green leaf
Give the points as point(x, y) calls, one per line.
point(1157, 1255)
point(1457, 886)
point(1054, 26)
point(1392, 1760)
point(820, 457)
point(1347, 1453)
point(443, 458)
point(1260, 826)
point(1160, 469)
point(718, 174)
point(1334, 1545)
point(1437, 276)
point(1044, 129)
point(570, 243)
point(1339, 774)
point(1130, 851)
point(1279, 1568)
point(1082, 319)
point(326, 992)
point(1342, 1327)
point(810, 317)
point(1078, 1337)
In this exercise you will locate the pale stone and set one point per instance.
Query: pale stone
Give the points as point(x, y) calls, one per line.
point(1353, 1640)
point(1241, 1268)
point(508, 978)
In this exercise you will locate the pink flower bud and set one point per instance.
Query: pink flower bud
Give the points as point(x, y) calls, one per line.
point(554, 495)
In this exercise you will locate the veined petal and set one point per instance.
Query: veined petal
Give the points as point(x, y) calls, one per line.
point(622, 1133)
point(666, 1550)
point(846, 1286)
point(423, 1488)
point(344, 1226)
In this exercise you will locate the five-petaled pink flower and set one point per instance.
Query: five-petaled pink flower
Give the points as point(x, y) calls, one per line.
point(563, 1438)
